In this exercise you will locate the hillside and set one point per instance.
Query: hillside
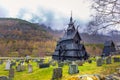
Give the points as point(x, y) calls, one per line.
point(99, 39)
point(20, 38)
point(18, 29)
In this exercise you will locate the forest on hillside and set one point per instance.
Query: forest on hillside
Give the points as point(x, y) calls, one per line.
point(18, 48)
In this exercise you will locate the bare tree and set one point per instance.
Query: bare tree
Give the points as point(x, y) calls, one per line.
point(107, 15)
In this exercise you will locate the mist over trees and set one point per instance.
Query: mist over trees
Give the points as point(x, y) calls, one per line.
point(107, 15)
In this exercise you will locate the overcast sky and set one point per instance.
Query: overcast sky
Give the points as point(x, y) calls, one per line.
point(52, 12)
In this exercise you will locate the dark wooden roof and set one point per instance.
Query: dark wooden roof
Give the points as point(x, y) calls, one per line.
point(109, 47)
point(67, 37)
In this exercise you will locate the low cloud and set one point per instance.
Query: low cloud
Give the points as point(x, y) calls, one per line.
point(44, 16)
point(3, 12)
point(50, 18)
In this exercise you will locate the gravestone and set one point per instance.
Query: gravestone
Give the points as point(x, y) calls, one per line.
point(35, 60)
point(103, 61)
point(89, 61)
point(1, 61)
point(108, 60)
point(57, 73)
point(27, 60)
point(73, 69)
point(60, 64)
point(67, 62)
point(22, 62)
point(30, 68)
point(79, 62)
point(116, 59)
point(53, 63)
point(50, 61)
point(17, 60)
point(18, 68)
point(12, 64)
point(23, 67)
point(41, 60)
point(4, 78)
point(7, 67)
point(11, 73)
point(99, 62)
point(38, 62)
point(44, 65)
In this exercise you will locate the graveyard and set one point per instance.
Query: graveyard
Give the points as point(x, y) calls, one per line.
point(46, 72)
point(69, 61)
point(60, 40)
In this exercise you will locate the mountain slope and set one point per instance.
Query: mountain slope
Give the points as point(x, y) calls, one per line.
point(19, 38)
point(11, 28)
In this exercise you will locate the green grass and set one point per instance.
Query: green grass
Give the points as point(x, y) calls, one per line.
point(46, 73)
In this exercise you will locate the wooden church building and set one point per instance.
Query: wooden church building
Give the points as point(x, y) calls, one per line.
point(69, 46)
point(109, 47)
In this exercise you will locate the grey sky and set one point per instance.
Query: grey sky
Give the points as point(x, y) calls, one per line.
point(52, 12)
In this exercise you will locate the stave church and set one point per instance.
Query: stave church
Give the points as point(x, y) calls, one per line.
point(69, 47)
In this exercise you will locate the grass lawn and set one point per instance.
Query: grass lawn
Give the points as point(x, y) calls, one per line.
point(46, 73)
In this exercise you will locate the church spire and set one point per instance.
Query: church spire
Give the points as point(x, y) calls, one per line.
point(71, 18)
point(71, 24)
